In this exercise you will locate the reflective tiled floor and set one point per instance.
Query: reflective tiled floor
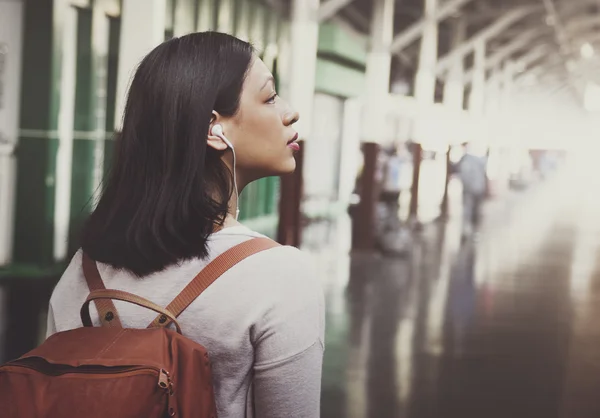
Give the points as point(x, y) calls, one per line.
point(506, 327)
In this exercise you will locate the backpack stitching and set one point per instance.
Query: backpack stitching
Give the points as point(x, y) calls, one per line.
point(117, 337)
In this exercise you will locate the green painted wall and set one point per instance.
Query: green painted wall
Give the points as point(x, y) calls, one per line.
point(36, 152)
point(336, 41)
point(112, 66)
point(82, 177)
point(338, 80)
point(340, 63)
point(38, 143)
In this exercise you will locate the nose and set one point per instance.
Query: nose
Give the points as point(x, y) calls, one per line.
point(291, 117)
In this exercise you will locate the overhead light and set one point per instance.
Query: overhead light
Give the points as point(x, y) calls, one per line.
point(587, 50)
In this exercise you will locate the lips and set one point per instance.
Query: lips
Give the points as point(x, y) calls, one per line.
point(294, 139)
point(292, 144)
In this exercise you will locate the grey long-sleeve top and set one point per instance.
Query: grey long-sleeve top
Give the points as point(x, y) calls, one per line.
point(262, 323)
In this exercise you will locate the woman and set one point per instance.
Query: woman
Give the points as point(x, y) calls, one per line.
point(169, 208)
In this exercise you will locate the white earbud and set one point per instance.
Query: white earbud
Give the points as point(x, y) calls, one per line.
point(217, 130)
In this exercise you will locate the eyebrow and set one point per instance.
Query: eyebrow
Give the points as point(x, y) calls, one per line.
point(271, 79)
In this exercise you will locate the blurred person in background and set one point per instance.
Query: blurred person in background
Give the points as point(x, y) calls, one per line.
point(472, 170)
point(169, 207)
point(393, 238)
point(391, 189)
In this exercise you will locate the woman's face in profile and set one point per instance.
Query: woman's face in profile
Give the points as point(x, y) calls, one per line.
point(262, 131)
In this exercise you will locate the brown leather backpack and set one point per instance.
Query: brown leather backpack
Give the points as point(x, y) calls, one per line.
point(111, 371)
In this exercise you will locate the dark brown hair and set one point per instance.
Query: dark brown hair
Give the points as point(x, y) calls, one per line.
point(167, 189)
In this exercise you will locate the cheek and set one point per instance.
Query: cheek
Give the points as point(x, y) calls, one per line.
point(260, 137)
point(263, 128)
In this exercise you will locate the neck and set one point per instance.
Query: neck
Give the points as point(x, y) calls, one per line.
point(233, 206)
point(230, 221)
point(240, 181)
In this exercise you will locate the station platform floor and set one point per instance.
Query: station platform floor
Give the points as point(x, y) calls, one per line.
point(508, 326)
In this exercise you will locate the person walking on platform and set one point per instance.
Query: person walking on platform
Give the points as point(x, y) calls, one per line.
point(394, 237)
point(472, 172)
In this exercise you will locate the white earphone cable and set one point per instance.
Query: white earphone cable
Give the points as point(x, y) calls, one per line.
point(237, 196)
point(218, 131)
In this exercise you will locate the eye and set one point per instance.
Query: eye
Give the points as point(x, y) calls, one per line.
point(271, 99)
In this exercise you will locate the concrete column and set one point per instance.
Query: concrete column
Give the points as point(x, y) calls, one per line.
point(506, 102)
point(373, 125)
point(493, 92)
point(304, 37)
point(142, 29)
point(284, 59)
point(225, 19)
point(493, 120)
point(426, 72)
point(100, 45)
point(424, 93)
point(244, 16)
point(454, 89)
point(66, 124)
point(185, 17)
point(257, 27)
point(271, 51)
point(206, 13)
point(454, 98)
point(477, 95)
point(11, 43)
point(379, 61)
point(507, 86)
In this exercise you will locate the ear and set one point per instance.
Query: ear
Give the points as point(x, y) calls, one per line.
point(214, 141)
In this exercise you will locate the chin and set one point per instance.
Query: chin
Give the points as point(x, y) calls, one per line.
point(281, 168)
point(289, 167)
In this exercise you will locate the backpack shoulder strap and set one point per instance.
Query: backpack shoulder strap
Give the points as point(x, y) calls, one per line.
point(106, 308)
point(211, 273)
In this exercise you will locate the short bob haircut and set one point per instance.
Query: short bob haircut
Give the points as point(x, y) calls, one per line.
point(168, 190)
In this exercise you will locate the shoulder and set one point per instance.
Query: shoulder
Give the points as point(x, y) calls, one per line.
point(285, 265)
point(69, 294)
point(289, 286)
point(273, 265)
point(290, 293)
point(276, 271)
point(70, 276)
point(284, 269)
point(282, 255)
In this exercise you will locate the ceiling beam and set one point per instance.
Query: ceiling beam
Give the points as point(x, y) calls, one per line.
point(415, 31)
point(499, 56)
point(592, 38)
point(566, 10)
point(551, 62)
point(563, 40)
point(363, 22)
point(484, 35)
point(329, 8)
point(533, 55)
point(278, 6)
point(480, 17)
point(571, 8)
point(578, 23)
